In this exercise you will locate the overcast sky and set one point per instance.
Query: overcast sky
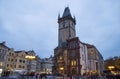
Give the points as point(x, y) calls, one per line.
point(32, 24)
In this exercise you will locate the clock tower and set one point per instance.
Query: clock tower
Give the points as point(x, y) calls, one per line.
point(66, 29)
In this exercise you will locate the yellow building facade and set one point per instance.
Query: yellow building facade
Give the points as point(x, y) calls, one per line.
point(16, 60)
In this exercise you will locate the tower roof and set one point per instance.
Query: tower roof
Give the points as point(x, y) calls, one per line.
point(66, 12)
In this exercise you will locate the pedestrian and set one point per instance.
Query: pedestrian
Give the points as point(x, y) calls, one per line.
point(40, 76)
point(36, 75)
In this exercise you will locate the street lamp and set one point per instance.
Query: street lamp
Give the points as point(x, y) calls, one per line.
point(29, 58)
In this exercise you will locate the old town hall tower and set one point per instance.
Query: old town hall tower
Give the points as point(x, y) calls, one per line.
point(66, 31)
point(66, 27)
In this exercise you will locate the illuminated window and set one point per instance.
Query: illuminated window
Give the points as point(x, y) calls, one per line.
point(73, 63)
point(1, 63)
point(60, 57)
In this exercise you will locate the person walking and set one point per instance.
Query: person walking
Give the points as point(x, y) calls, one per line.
point(36, 75)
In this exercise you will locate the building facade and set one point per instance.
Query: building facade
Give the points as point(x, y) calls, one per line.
point(32, 62)
point(95, 60)
point(16, 61)
point(11, 60)
point(3, 56)
point(71, 56)
point(46, 65)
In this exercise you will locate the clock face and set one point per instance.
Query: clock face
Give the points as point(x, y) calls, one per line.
point(65, 23)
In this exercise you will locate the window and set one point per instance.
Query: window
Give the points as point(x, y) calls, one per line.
point(16, 54)
point(19, 66)
point(11, 60)
point(72, 45)
point(14, 66)
point(2, 57)
point(82, 49)
point(23, 61)
point(9, 53)
point(20, 60)
point(73, 54)
point(3, 51)
point(8, 59)
point(73, 62)
point(82, 57)
point(12, 54)
point(1, 63)
point(7, 65)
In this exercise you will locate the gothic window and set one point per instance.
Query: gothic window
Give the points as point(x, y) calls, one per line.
point(73, 62)
point(72, 45)
point(73, 54)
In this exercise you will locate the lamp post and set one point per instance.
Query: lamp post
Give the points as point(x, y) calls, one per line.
point(29, 58)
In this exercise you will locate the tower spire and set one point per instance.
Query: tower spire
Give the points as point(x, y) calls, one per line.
point(66, 12)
